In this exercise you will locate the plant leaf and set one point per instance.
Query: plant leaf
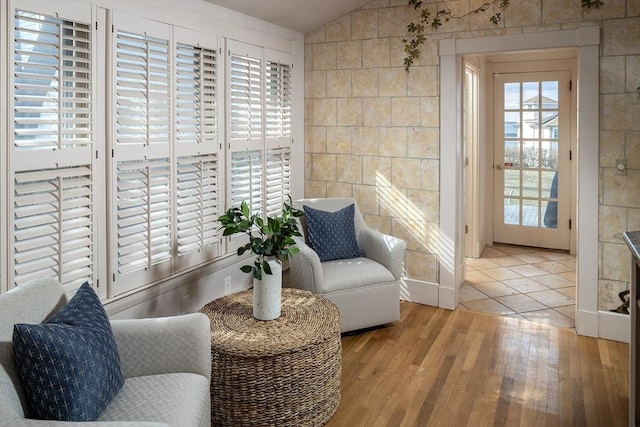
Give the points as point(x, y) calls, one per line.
point(266, 267)
point(245, 209)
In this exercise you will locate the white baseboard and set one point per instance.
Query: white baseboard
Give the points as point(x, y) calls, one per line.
point(587, 323)
point(614, 326)
point(604, 324)
point(419, 291)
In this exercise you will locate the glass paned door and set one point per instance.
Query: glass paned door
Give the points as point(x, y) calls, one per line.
point(532, 143)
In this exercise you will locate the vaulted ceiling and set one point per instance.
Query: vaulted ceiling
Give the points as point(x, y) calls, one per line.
point(298, 15)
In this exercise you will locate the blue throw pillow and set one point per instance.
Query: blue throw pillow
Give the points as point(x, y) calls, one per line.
point(69, 366)
point(332, 234)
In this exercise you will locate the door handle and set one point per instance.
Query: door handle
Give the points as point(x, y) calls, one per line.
point(499, 166)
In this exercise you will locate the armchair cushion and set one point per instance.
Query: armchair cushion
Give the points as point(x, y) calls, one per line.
point(69, 366)
point(332, 234)
point(349, 274)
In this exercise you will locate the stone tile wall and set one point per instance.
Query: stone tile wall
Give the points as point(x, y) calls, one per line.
point(372, 130)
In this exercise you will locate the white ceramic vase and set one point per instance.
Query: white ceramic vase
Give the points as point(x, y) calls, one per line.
point(267, 293)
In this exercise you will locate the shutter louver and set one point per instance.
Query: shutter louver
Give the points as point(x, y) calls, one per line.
point(142, 90)
point(197, 203)
point(52, 83)
point(278, 179)
point(196, 95)
point(278, 100)
point(246, 182)
point(245, 98)
point(53, 225)
point(144, 217)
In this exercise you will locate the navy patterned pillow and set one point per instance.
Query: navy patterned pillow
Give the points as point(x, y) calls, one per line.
point(69, 366)
point(332, 234)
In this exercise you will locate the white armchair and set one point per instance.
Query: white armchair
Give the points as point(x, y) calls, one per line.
point(166, 363)
point(366, 289)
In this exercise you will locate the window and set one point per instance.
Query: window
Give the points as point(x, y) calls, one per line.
point(278, 133)
point(165, 167)
point(259, 127)
point(51, 158)
point(119, 164)
point(197, 148)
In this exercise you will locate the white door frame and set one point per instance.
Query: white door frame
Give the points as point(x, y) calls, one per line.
point(586, 40)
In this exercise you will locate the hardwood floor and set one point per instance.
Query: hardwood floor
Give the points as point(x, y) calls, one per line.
point(453, 368)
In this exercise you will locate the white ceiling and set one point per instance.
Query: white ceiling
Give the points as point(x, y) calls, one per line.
point(298, 15)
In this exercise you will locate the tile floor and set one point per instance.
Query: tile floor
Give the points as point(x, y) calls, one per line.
point(527, 283)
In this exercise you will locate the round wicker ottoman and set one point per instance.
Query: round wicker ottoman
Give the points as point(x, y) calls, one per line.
point(283, 372)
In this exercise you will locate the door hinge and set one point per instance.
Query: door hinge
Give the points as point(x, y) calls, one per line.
point(569, 224)
point(113, 28)
point(466, 161)
point(466, 229)
point(570, 85)
point(96, 25)
point(570, 154)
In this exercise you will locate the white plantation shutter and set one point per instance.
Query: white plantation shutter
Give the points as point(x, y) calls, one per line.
point(142, 89)
point(245, 119)
point(197, 146)
point(196, 95)
point(142, 169)
point(51, 158)
point(278, 179)
point(245, 92)
point(198, 205)
point(52, 83)
point(278, 100)
point(246, 181)
point(53, 225)
point(143, 235)
point(278, 131)
point(259, 128)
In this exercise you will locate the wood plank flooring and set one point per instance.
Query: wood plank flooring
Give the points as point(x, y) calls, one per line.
point(454, 368)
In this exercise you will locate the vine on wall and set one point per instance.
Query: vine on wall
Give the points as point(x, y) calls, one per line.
point(416, 30)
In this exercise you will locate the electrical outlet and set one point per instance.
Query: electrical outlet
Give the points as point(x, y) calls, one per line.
point(227, 285)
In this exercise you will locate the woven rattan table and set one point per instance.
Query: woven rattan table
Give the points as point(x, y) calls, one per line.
point(283, 372)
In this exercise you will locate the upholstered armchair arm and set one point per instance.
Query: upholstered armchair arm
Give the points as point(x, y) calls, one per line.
point(306, 269)
point(387, 250)
point(164, 345)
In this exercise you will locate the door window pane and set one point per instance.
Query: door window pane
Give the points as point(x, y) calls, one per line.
point(511, 96)
point(511, 211)
point(550, 218)
point(512, 153)
point(530, 184)
point(512, 183)
point(549, 155)
point(550, 94)
point(530, 154)
point(530, 96)
point(530, 213)
point(512, 124)
point(549, 184)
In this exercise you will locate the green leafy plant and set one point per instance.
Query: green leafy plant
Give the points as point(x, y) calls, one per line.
point(416, 30)
point(269, 237)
